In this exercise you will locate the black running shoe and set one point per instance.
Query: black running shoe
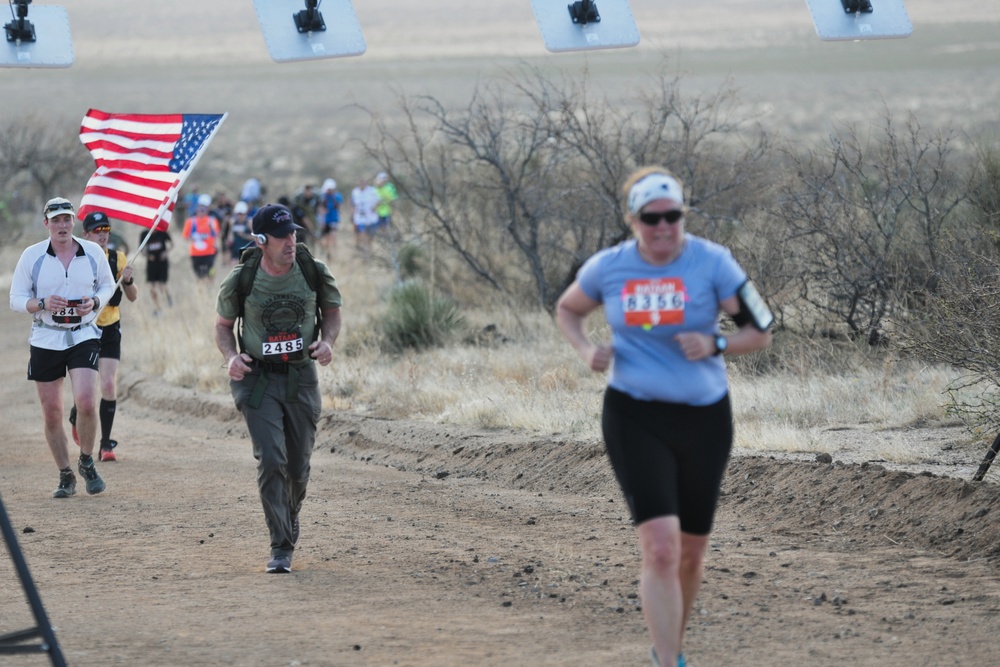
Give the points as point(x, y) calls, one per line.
point(67, 485)
point(94, 482)
point(279, 565)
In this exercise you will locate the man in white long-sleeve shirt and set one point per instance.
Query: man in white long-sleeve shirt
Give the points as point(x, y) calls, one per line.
point(62, 282)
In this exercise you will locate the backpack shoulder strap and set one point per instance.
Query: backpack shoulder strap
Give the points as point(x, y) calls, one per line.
point(307, 263)
point(116, 298)
point(249, 263)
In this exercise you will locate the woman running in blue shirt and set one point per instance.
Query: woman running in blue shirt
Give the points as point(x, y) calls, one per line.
point(667, 421)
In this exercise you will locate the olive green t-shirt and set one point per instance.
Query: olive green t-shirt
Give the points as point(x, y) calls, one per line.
point(279, 313)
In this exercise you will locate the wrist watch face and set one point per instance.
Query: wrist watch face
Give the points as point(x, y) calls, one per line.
point(720, 344)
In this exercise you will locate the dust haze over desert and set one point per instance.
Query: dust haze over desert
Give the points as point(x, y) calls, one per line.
point(437, 544)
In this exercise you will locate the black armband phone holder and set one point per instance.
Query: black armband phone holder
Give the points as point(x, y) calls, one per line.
point(752, 310)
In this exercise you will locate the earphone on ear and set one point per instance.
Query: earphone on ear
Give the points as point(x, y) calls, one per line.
point(261, 239)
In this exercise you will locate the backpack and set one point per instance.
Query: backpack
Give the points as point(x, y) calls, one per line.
point(250, 260)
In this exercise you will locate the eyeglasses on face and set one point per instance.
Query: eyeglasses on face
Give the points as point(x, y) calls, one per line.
point(653, 219)
point(60, 206)
point(102, 228)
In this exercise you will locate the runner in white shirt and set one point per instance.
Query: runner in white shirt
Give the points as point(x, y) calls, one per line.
point(364, 200)
point(62, 283)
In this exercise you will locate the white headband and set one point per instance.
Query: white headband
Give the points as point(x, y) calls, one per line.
point(652, 187)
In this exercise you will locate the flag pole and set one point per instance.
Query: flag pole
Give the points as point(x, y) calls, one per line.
point(171, 193)
point(164, 205)
point(156, 220)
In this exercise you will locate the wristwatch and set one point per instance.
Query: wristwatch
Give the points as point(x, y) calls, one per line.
point(721, 343)
point(41, 304)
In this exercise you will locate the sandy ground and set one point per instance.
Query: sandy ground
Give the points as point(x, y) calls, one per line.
point(425, 544)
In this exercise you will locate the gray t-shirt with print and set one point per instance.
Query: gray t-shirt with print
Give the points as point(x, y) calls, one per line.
point(279, 314)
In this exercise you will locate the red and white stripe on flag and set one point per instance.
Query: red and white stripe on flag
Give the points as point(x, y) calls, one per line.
point(142, 161)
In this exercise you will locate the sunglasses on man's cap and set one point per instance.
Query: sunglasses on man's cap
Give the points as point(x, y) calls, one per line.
point(653, 219)
point(59, 206)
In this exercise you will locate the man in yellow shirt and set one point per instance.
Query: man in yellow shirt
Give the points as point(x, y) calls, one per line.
point(97, 228)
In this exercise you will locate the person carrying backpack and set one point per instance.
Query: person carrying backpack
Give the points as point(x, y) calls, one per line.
point(287, 305)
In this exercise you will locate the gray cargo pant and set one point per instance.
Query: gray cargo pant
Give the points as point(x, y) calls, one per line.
point(283, 431)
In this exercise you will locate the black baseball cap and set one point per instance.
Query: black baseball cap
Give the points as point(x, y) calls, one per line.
point(274, 220)
point(95, 219)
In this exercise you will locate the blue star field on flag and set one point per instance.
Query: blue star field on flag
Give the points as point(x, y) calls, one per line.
point(195, 129)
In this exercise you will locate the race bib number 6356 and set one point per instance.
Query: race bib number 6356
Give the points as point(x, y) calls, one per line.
point(652, 302)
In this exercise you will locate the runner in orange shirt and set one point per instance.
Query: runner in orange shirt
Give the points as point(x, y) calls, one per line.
point(202, 232)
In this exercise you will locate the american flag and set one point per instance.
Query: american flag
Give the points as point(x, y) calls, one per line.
point(142, 161)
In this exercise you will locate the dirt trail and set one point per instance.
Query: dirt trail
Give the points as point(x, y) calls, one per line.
point(434, 545)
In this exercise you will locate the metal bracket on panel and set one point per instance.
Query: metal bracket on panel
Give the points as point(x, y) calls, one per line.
point(584, 12)
point(857, 6)
point(310, 19)
point(20, 29)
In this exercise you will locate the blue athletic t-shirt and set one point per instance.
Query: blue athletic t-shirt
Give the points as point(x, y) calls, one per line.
point(647, 305)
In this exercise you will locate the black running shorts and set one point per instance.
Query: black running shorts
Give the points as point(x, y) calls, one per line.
point(157, 271)
point(51, 365)
point(669, 458)
point(203, 265)
point(111, 341)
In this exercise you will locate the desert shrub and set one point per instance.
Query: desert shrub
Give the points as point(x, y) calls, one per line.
point(523, 184)
point(412, 261)
point(862, 223)
point(419, 319)
point(39, 158)
point(959, 325)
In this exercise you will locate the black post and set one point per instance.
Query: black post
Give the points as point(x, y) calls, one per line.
point(12, 642)
point(991, 454)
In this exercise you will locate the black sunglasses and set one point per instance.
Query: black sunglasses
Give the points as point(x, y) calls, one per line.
point(59, 206)
point(653, 219)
